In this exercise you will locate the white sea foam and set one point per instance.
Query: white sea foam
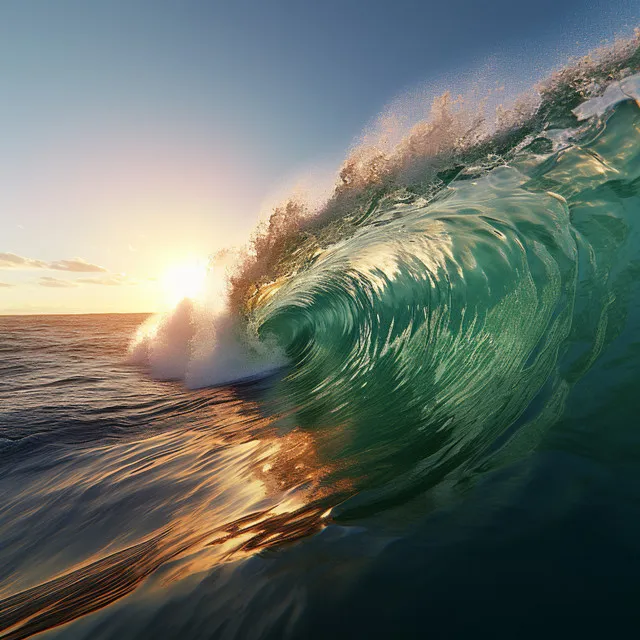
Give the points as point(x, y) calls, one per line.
point(616, 92)
point(203, 345)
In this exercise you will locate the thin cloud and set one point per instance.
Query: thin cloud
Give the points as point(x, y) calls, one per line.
point(13, 261)
point(110, 281)
point(77, 265)
point(57, 283)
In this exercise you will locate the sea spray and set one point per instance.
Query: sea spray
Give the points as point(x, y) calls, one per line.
point(460, 137)
point(203, 347)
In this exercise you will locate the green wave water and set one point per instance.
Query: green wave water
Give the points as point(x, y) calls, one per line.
point(445, 334)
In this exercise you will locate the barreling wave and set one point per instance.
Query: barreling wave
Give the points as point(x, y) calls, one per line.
point(441, 305)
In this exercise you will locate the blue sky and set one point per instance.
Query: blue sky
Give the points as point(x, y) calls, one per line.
point(141, 134)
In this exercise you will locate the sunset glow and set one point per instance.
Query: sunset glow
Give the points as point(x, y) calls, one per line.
point(185, 280)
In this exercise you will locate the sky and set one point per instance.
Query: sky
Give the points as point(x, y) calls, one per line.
point(138, 137)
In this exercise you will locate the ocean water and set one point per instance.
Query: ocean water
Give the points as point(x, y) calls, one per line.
point(424, 426)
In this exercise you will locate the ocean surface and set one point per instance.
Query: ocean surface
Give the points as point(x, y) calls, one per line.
point(427, 425)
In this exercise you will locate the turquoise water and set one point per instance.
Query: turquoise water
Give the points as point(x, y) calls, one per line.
point(449, 336)
point(446, 443)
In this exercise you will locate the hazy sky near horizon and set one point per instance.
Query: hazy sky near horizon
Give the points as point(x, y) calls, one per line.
point(141, 135)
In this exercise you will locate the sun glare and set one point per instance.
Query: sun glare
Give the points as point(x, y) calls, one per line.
point(185, 280)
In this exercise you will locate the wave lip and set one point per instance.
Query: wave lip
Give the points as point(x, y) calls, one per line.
point(460, 136)
point(615, 93)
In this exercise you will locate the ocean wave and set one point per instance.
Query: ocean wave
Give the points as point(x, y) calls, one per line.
point(444, 302)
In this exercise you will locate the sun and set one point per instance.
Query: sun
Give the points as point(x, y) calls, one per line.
point(185, 280)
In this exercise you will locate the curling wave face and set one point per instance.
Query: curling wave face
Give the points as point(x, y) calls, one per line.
point(448, 333)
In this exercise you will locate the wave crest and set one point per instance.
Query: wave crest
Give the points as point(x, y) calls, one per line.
point(461, 136)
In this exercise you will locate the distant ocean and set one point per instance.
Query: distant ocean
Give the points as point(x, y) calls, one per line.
point(422, 422)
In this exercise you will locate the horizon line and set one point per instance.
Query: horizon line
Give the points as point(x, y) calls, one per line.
point(77, 313)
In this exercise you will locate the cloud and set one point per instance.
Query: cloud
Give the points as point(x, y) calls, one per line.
point(13, 261)
point(77, 265)
point(74, 265)
point(46, 281)
point(111, 280)
point(5, 284)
